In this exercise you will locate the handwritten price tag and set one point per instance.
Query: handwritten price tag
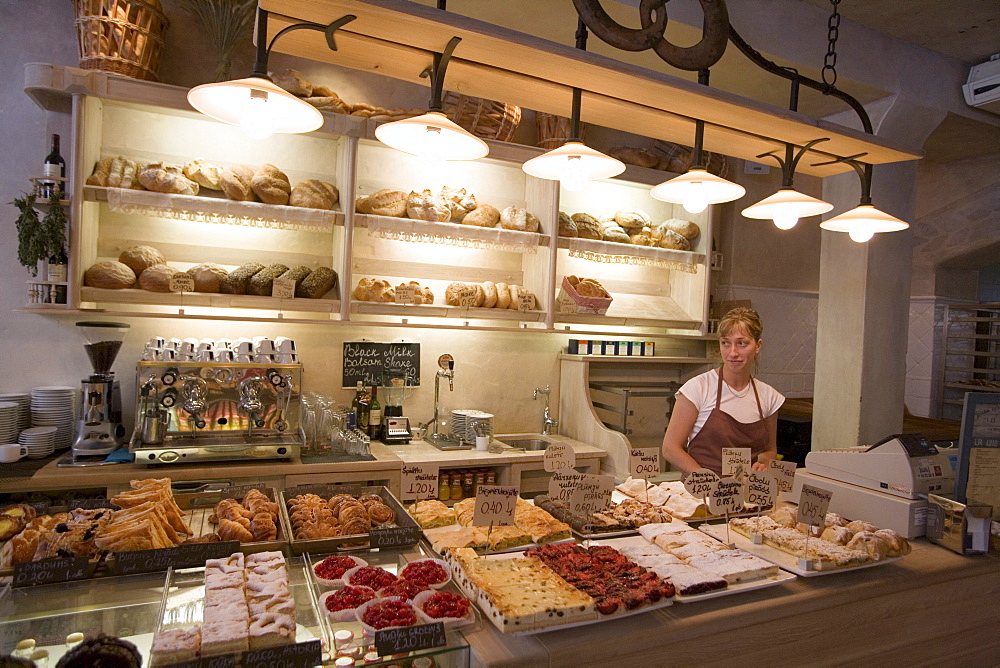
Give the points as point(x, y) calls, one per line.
point(699, 482)
point(181, 282)
point(407, 294)
point(762, 488)
point(559, 457)
point(283, 288)
point(726, 496)
point(644, 462)
point(419, 482)
point(495, 506)
point(735, 462)
point(813, 505)
point(525, 301)
point(784, 473)
point(562, 485)
point(467, 297)
point(592, 494)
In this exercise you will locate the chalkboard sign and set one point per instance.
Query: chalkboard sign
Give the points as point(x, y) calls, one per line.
point(394, 536)
point(367, 361)
point(91, 504)
point(410, 639)
point(300, 655)
point(220, 661)
point(182, 556)
point(59, 569)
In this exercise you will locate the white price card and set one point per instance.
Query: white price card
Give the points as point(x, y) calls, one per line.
point(283, 288)
point(644, 462)
point(419, 482)
point(181, 282)
point(813, 504)
point(762, 488)
point(699, 482)
point(407, 294)
point(735, 462)
point(525, 301)
point(559, 457)
point(562, 485)
point(784, 473)
point(725, 496)
point(467, 297)
point(592, 495)
point(495, 506)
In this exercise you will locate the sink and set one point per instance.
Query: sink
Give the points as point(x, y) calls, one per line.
point(535, 443)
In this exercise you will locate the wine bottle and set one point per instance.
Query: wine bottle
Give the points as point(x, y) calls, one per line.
point(57, 266)
point(374, 416)
point(54, 166)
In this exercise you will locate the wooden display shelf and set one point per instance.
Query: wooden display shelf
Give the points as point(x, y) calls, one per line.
point(443, 311)
point(642, 359)
point(634, 310)
point(655, 255)
point(449, 233)
point(202, 299)
point(971, 388)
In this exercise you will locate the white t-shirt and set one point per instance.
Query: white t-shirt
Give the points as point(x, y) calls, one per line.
point(702, 390)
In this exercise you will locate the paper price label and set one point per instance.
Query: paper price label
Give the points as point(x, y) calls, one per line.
point(644, 462)
point(562, 485)
point(525, 302)
point(699, 482)
point(419, 482)
point(592, 494)
point(559, 457)
point(784, 473)
point(735, 462)
point(283, 288)
point(495, 506)
point(407, 294)
point(813, 505)
point(467, 297)
point(181, 282)
point(762, 488)
point(725, 496)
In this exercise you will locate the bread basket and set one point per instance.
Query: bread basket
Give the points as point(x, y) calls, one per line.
point(121, 36)
point(484, 118)
point(554, 131)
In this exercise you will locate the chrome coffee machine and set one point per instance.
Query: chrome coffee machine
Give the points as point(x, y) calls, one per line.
point(99, 430)
point(217, 411)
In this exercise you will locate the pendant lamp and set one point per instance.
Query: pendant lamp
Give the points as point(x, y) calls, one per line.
point(255, 103)
point(864, 221)
point(786, 206)
point(433, 136)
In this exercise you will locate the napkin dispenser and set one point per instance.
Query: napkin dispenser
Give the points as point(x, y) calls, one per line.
point(961, 527)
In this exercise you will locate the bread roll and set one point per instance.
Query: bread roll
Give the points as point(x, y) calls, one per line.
point(453, 293)
point(293, 82)
point(236, 282)
point(513, 218)
point(166, 179)
point(632, 219)
point(157, 278)
point(515, 293)
point(459, 201)
point(270, 185)
point(503, 295)
point(208, 276)
point(589, 287)
point(99, 177)
point(425, 206)
point(140, 258)
point(262, 282)
point(643, 237)
point(490, 292)
point(314, 194)
point(235, 182)
point(383, 292)
point(685, 228)
point(110, 275)
point(587, 226)
point(567, 228)
point(483, 215)
point(365, 290)
point(480, 295)
point(322, 91)
point(386, 202)
point(317, 283)
point(427, 297)
point(205, 174)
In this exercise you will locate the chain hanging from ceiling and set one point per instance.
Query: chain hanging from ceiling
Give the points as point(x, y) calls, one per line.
point(833, 32)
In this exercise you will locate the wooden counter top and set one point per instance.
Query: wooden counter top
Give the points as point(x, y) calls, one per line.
point(932, 607)
point(420, 451)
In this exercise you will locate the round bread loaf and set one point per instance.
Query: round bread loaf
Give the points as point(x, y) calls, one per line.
point(567, 228)
point(205, 174)
point(386, 202)
point(490, 293)
point(365, 290)
point(643, 237)
point(515, 294)
point(634, 156)
point(453, 293)
point(166, 179)
point(140, 258)
point(235, 182)
point(314, 194)
point(587, 226)
point(427, 296)
point(157, 278)
point(207, 276)
point(685, 228)
point(671, 239)
point(483, 215)
point(459, 201)
point(383, 291)
point(480, 294)
point(330, 103)
point(513, 218)
point(612, 231)
point(110, 275)
point(503, 295)
point(424, 205)
point(632, 219)
point(270, 185)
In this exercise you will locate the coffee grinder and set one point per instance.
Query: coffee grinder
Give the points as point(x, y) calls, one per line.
point(99, 427)
point(397, 388)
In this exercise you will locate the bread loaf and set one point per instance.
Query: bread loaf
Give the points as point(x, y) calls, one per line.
point(270, 185)
point(297, 274)
point(317, 283)
point(515, 296)
point(262, 282)
point(365, 290)
point(330, 103)
point(483, 215)
point(672, 240)
point(427, 297)
point(157, 278)
point(635, 156)
point(480, 295)
point(632, 219)
point(99, 177)
point(386, 202)
point(503, 295)
point(293, 82)
point(110, 275)
point(643, 237)
point(118, 172)
point(314, 194)
point(236, 282)
point(208, 276)
point(205, 174)
point(567, 228)
point(587, 226)
point(513, 218)
point(322, 91)
point(459, 201)
point(454, 293)
point(140, 258)
point(235, 182)
point(490, 292)
point(612, 231)
point(426, 206)
point(166, 179)
point(685, 228)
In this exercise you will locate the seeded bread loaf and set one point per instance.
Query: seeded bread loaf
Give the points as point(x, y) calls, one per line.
point(317, 283)
point(262, 282)
point(238, 279)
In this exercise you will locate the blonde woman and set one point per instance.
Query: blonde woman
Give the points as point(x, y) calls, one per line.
point(726, 407)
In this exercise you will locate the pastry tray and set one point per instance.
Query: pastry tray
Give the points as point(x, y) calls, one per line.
point(780, 578)
point(339, 543)
point(784, 560)
point(518, 548)
point(198, 507)
point(617, 497)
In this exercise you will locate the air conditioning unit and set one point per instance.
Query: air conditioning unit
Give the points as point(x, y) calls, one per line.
point(983, 87)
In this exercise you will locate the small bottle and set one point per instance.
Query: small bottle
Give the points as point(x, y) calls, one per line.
point(374, 416)
point(491, 477)
point(480, 480)
point(467, 486)
point(456, 487)
point(444, 487)
point(54, 166)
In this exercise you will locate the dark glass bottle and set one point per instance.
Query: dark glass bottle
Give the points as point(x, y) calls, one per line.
point(374, 416)
point(54, 166)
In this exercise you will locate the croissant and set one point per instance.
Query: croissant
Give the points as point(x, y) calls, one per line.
point(229, 530)
point(263, 528)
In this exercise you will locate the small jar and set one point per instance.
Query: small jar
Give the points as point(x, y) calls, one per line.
point(444, 487)
point(491, 477)
point(343, 638)
point(456, 487)
point(468, 487)
point(480, 480)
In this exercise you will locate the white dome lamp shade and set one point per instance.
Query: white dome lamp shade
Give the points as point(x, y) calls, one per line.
point(432, 136)
point(255, 103)
point(786, 206)
point(864, 221)
point(697, 188)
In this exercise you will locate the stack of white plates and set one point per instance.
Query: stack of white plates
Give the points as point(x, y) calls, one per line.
point(23, 401)
point(463, 424)
point(52, 406)
point(40, 441)
point(8, 422)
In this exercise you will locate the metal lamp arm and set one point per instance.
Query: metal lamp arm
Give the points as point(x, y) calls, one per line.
point(437, 71)
point(264, 47)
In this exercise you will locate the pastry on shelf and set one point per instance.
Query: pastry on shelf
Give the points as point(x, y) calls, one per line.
point(632, 219)
point(235, 182)
point(424, 205)
point(567, 226)
point(612, 231)
point(514, 218)
point(484, 215)
point(459, 201)
point(207, 276)
point(374, 290)
point(587, 226)
point(685, 228)
point(157, 278)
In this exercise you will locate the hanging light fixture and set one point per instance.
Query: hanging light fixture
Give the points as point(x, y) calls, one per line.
point(863, 221)
point(433, 136)
point(786, 206)
point(255, 103)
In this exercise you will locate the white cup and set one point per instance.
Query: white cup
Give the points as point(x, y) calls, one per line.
point(11, 452)
point(482, 443)
point(284, 345)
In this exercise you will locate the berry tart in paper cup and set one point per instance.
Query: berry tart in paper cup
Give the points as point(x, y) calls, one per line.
point(382, 614)
point(375, 577)
point(402, 588)
point(444, 606)
point(330, 572)
point(340, 605)
point(433, 573)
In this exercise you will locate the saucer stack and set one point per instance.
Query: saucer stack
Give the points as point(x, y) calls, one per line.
point(52, 406)
point(8, 422)
point(40, 441)
point(23, 401)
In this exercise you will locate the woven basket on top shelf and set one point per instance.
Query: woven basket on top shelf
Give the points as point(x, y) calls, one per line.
point(121, 36)
point(484, 118)
point(554, 131)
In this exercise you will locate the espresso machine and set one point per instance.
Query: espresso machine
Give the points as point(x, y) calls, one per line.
point(99, 429)
point(397, 388)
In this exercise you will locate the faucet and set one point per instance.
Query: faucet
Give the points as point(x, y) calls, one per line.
point(447, 370)
point(548, 422)
point(250, 402)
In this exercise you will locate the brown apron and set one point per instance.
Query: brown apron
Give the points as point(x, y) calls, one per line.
point(722, 430)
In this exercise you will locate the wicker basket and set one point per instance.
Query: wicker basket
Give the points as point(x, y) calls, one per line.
point(483, 118)
point(554, 131)
point(678, 158)
point(121, 36)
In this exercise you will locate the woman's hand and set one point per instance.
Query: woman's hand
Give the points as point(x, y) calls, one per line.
point(679, 428)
